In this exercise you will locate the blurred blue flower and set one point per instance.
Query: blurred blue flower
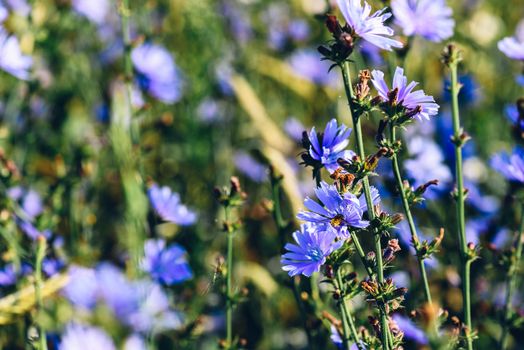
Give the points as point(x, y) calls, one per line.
point(210, 110)
point(3, 13)
point(32, 204)
point(153, 314)
point(135, 342)
point(167, 265)
point(336, 338)
point(20, 7)
point(12, 60)
point(427, 164)
point(430, 19)
point(77, 337)
point(8, 275)
point(250, 167)
point(314, 244)
point(94, 10)
point(158, 73)
point(510, 165)
point(327, 147)
point(32, 232)
point(307, 64)
point(238, 22)
point(298, 30)
point(294, 128)
point(370, 28)
point(339, 210)
point(167, 205)
point(410, 330)
point(51, 266)
point(82, 288)
point(513, 47)
point(512, 114)
point(468, 93)
point(117, 291)
point(406, 97)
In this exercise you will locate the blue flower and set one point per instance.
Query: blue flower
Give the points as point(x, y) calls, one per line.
point(12, 60)
point(166, 265)
point(513, 47)
point(431, 19)
point(410, 330)
point(338, 210)
point(167, 205)
point(314, 244)
point(86, 338)
point(370, 28)
point(510, 165)
point(327, 147)
point(160, 76)
point(406, 97)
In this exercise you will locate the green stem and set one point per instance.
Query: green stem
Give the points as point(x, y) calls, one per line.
point(348, 325)
point(40, 254)
point(461, 221)
point(367, 193)
point(229, 273)
point(409, 216)
point(511, 282)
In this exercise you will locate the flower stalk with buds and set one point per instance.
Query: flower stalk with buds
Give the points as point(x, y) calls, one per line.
point(451, 58)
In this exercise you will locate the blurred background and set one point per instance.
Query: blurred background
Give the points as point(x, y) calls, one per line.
point(221, 88)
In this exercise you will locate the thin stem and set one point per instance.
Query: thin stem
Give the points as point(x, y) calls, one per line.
point(348, 326)
point(511, 282)
point(367, 193)
point(229, 273)
point(409, 216)
point(466, 263)
point(40, 254)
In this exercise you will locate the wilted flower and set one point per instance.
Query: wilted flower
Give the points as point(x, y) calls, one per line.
point(510, 165)
point(404, 95)
point(369, 28)
point(327, 147)
point(94, 10)
point(513, 47)
point(85, 337)
point(167, 265)
point(314, 244)
point(12, 60)
point(167, 205)
point(338, 210)
point(158, 73)
point(430, 19)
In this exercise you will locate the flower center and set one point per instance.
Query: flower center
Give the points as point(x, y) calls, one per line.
point(337, 220)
